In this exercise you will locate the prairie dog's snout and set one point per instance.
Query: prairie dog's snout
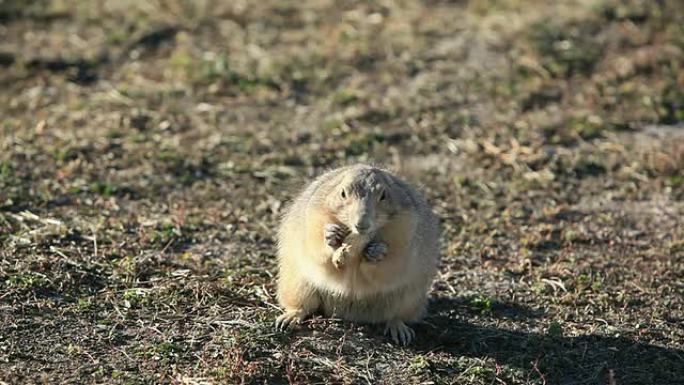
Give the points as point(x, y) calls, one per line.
point(361, 216)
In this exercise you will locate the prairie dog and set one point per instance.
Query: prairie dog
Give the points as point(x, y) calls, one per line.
point(359, 244)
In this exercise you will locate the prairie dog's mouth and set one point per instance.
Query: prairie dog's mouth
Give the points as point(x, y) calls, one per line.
point(358, 232)
point(356, 236)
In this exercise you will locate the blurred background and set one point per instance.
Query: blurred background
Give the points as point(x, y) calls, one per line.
point(148, 148)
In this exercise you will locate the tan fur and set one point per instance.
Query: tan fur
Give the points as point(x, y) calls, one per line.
point(314, 276)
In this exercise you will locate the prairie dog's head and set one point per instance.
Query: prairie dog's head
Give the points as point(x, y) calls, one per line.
point(363, 199)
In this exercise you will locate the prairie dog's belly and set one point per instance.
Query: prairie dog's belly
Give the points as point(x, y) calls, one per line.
point(350, 281)
point(357, 278)
point(379, 307)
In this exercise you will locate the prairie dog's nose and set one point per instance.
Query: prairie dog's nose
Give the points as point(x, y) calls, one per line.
point(362, 227)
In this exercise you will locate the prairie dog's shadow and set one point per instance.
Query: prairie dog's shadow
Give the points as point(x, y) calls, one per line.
point(586, 359)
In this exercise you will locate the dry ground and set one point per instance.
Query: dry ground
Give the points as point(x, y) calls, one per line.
point(148, 148)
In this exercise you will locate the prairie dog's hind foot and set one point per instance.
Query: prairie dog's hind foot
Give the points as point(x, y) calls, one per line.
point(375, 251)
point(289, 318)
point(400, 333)
point(335, 234)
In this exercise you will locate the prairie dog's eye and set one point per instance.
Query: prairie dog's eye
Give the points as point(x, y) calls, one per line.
point(382, 195)
point(343, 194)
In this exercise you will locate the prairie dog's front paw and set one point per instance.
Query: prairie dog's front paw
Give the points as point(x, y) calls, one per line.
point(375, 251)
point(339, 257)
point(335, 234)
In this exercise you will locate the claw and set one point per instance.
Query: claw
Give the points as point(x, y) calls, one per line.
point(400, 333)
point(288, 319)
point(375, 251)
point(335, 234)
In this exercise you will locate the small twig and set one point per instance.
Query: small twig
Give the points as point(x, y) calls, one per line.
point(369, 376)
point(163, 250)
point(535, 366)
point(94, 240)
point(272, 305)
